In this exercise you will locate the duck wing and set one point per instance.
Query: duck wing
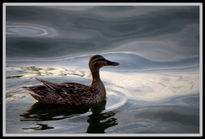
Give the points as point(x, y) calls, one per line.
point(74, 89)
point(51, 86)
point(67, 92)
point(67, 88)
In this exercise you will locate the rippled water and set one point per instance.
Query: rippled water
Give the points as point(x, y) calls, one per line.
point(155, 89)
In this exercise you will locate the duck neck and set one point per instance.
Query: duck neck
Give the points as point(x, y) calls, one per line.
point(95, 75)
point(97, 83)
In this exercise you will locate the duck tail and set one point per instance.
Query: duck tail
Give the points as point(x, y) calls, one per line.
point(32, 92)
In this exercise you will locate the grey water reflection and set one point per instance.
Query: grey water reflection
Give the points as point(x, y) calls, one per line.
point(103, 28)
point(98, 120)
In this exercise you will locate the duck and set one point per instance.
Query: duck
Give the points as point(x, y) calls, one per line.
point(70, 92)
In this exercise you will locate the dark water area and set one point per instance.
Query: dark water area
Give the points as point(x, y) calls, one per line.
point(155, 89)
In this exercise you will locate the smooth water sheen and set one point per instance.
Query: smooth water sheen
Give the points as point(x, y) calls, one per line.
point(155, 89)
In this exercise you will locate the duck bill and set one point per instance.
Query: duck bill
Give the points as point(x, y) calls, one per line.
point(110, 63)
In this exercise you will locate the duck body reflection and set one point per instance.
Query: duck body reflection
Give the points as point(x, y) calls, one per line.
point(98, 121)
point(44, 112)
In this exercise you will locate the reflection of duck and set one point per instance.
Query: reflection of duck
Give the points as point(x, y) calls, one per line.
point(41, 112)
point(39, 127)
point(99, 121)
point(73, 93)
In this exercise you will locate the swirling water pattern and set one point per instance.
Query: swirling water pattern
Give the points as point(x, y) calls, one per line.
point(157, 82)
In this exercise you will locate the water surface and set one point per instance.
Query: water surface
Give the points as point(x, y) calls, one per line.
point(155, 89)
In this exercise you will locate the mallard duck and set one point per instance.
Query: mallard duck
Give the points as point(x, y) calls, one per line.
point(73, 93)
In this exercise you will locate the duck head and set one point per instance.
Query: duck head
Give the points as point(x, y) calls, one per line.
point(98, 61)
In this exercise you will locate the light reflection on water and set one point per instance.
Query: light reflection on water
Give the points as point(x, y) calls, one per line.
point(147, 93)
point(155, 89)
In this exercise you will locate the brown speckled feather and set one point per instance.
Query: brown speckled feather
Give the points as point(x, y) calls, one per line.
point(64, 93)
